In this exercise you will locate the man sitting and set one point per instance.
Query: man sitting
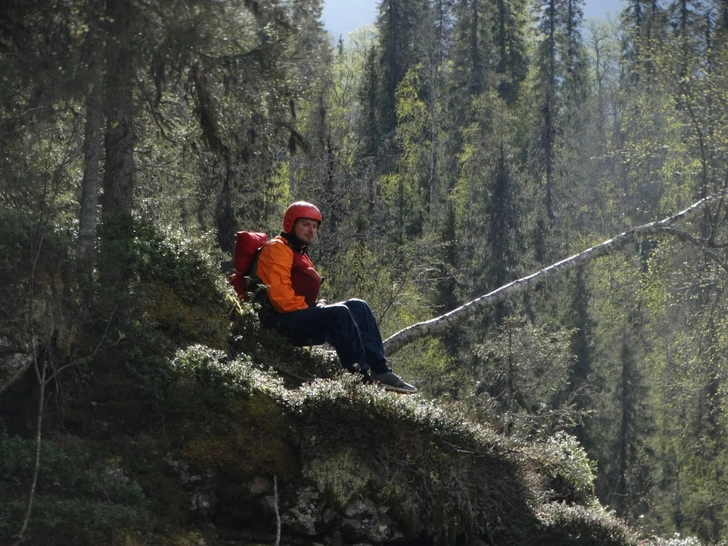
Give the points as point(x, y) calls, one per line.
point(294, 310)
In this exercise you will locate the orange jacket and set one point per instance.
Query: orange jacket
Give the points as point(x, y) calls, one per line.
point(293, 283)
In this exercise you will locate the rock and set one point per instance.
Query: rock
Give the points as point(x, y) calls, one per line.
point(12, 367)
point(364, 520)
point(306, 514)
point(259, 485)
point(203, 505)
point(361, 521)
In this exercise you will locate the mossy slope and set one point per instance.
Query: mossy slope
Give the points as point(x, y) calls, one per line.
point(167, 426)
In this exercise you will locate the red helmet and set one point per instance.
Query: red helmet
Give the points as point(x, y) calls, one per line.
point(300, 209)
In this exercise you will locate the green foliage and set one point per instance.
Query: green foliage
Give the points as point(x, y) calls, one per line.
point(76, 521)
point(40, 165)
point(520, 368)
point(563, 461)
point(32, 248)
point(177, 285)
point(77, 493)
point(22, 234)
point(427, 365)
point(343, 475)
point(182, 262)
point(394, 283)
point(564, 525)
point(37, 285)
point(202, 380)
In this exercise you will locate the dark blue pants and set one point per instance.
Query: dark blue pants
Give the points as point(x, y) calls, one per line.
point(349, 326)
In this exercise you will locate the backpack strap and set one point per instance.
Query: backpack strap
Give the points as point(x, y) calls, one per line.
point(255, 285)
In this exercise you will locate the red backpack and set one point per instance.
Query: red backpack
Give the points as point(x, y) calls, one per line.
point(247, 246)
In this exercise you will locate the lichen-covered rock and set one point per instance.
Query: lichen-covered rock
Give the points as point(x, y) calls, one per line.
point(12, 364)
point(306, 515)
point(366, 521)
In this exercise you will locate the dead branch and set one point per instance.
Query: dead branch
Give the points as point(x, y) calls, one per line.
point(444, 322)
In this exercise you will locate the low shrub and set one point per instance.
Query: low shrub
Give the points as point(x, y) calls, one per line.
point(78, 492)
point(568, 471)
point(571, 525)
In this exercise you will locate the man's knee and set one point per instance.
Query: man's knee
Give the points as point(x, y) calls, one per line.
point(357, 306)
point(337, 312)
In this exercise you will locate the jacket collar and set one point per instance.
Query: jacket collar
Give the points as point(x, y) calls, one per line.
point(295, 243)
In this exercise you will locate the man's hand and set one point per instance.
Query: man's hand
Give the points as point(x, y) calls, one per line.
point(321, 303)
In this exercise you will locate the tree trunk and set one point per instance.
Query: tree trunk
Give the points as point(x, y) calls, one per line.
point(91, 184)
point(119, 171)
point(441, 324)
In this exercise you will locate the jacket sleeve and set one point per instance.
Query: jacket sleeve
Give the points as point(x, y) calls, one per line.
point(274, 270)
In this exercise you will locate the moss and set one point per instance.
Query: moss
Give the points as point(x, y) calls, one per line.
point(343, 475)
point(199, 380)
point(181, 321)
point(257, 443)
point(439, 474)
point(226, 415)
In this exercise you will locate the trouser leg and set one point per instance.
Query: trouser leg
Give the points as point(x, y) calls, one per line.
point(370, 335)
point(333, 324)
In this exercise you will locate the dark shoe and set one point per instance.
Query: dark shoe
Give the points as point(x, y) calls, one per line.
point(392, 382)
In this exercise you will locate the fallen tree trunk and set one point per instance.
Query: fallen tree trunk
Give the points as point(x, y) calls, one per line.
point(442, 323)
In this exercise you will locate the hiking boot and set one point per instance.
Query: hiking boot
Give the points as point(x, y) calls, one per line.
point(392, 382)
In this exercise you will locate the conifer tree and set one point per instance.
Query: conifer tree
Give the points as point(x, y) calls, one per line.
point(92, 147)
point(119, 177)
point(558, 88)
point(581, 374)
point(509, 22)
point(402, 27)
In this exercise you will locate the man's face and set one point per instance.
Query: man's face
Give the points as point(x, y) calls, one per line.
point(306, 229)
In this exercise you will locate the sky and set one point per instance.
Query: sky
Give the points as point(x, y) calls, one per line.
point(342, 16)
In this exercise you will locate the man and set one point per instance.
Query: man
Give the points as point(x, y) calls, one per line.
point(294, 310)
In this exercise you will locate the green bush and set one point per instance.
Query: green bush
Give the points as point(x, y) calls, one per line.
point(184, 263)
point(565, 465)
point(570, 525)
point(22, 232)
point(200, 380)
point(77, 490)
point(32, 249)
point(73, 521)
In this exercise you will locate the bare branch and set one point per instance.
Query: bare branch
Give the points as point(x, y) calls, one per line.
point(701, 244)
point(275, 507)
